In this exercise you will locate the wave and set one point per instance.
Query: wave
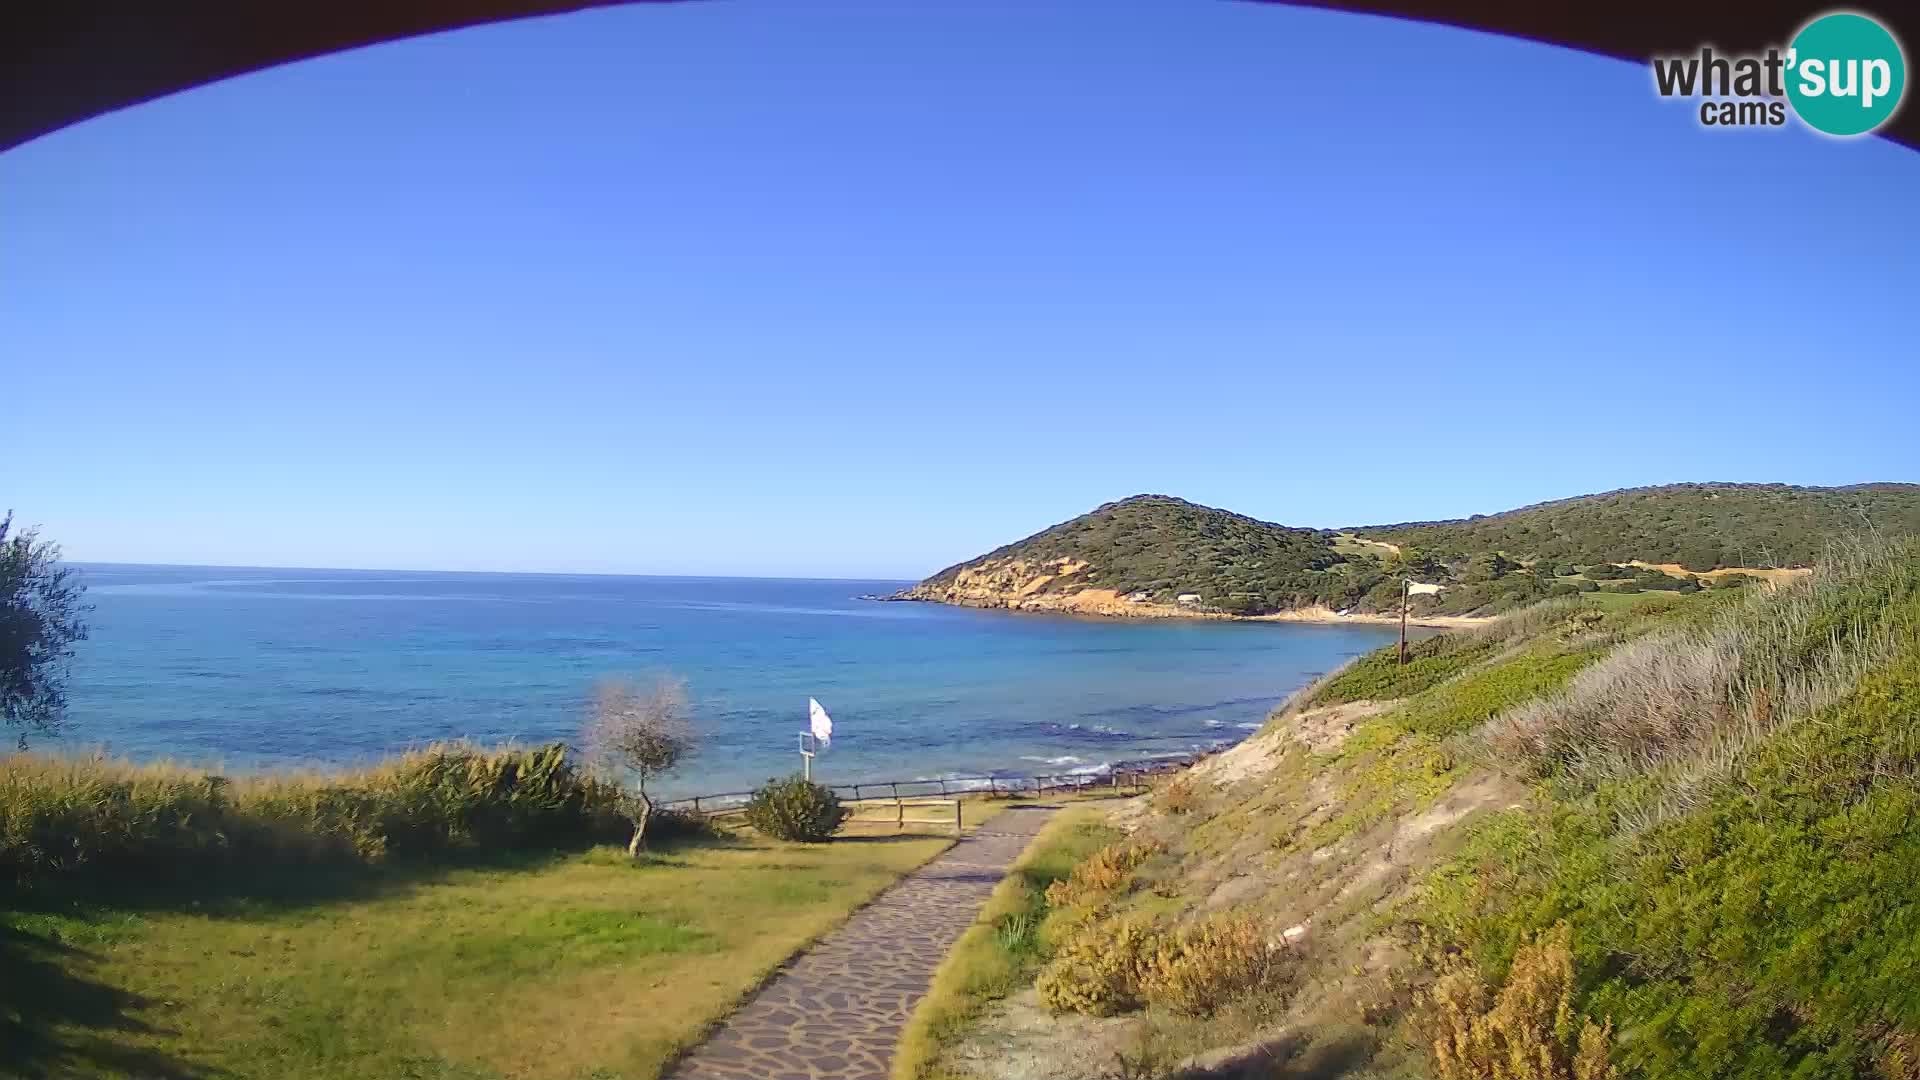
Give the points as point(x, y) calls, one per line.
point(1089, 732)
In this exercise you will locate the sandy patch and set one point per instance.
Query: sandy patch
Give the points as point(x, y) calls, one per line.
point(1775, 577)
point(1319, 730)
point(1018, 1039)
point(1324, 729)
point(1319, 614)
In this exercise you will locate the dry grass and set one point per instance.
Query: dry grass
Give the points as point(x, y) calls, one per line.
point(1203, 966)
point(1528, 1031)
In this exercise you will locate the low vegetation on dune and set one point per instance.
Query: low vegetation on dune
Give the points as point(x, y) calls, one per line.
point(1667, 839)
point(1155, 552)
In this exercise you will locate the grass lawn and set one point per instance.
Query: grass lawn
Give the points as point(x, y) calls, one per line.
point(574, 965)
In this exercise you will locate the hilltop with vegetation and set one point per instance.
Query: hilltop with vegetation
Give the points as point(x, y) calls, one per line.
point(1665, 838)
point(1155, 555)
point(1698, 527)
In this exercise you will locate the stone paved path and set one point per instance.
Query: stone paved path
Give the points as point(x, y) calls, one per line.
point(835, 1011)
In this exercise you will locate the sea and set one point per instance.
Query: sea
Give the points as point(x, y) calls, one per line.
point(237, 669)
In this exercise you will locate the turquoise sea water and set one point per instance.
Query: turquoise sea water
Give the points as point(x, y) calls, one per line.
point(248, 667)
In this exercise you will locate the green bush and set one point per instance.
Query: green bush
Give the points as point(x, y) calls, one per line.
point(1378, 675)
point(1479, 695)
point(796, 809)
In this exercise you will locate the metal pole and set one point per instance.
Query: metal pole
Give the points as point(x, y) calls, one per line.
point(1403, 621)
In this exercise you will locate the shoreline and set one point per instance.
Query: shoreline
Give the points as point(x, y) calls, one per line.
point(1329, 617)
point(1316, 615)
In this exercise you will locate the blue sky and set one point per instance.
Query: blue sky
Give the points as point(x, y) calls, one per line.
point(850, 289)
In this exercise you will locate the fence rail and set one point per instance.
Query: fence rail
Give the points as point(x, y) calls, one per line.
point(947, 789)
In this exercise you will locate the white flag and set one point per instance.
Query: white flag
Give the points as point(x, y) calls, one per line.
point(821, 723)
point(1416, 588)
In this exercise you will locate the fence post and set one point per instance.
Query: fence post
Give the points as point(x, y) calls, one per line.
point(899, 815)
point(957, 825)
point(696, 806)
point(896, 789)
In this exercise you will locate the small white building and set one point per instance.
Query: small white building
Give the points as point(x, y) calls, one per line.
point(1188, 599)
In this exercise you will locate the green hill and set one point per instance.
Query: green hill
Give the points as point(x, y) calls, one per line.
point(1151, 554)
point(1699, 526)
point(1163, 547)
point(1669, 840)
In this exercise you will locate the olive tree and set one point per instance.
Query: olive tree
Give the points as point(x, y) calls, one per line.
point(41, 617)
point(639, 732)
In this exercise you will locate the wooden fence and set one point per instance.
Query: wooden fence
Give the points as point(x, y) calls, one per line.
point(888, 801)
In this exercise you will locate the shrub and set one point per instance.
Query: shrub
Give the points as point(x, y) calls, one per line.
point(1101, 875)
point(1209, 963)
point(796, 809)
point(1180, 796)
point(1099, 970)
point(1527, 1032)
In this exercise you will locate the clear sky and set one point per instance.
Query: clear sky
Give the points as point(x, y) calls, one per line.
point(851, 289)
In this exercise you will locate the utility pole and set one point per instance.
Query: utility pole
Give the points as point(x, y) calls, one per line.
point(1403, 621)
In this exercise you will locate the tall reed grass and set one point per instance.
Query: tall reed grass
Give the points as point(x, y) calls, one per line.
point(63, 815)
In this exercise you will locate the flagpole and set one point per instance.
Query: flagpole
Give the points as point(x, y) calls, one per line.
point(1403, 621)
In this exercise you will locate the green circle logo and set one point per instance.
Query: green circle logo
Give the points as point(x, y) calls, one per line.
point(1845, 74)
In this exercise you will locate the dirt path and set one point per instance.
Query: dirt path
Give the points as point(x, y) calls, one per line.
point(836, 1010)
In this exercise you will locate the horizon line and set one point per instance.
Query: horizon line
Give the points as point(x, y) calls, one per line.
point(518, 573)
